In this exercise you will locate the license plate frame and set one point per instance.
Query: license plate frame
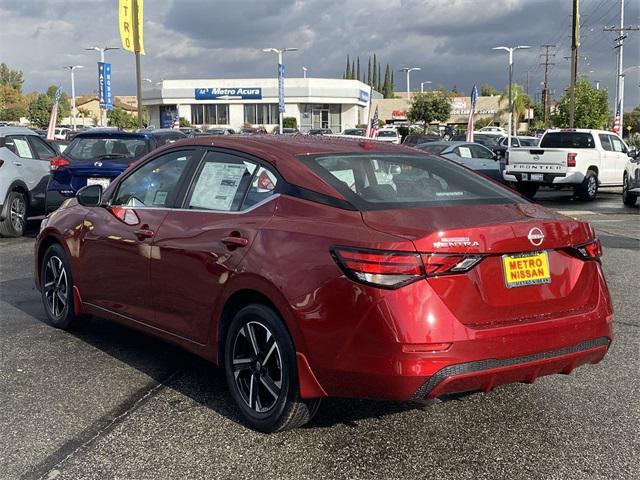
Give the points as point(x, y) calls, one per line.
point(537, 177)
point(536, 276)
point(102, 181)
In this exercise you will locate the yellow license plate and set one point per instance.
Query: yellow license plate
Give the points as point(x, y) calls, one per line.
point(527, 269)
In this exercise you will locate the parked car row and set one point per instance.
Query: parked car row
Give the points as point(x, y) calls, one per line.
point(37, 176)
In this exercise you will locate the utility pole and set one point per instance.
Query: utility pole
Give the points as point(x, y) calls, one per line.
point(545, 90)
point(620, 46)
point(575, 43)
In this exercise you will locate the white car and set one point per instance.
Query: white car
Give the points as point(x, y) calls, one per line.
point(631, 179)
point(24, 173)
point(60, 133)
point(389, 135)
point(578, 158)
point(493, 130)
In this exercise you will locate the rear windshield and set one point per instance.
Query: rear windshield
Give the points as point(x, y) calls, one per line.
point(529, 142)
point(387, 133)
point(372, 181)
point(567, 140)
point(106, 148)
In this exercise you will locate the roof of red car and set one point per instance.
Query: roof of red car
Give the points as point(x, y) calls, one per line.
point(282, 150)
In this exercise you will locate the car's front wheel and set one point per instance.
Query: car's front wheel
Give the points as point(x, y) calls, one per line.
point(15, 221)
point(628, 198)
point(260, 366)
point(56, 285)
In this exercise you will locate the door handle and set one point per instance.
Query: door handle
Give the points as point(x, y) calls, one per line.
point(17, 164)
point(143, 233)
point(235, 242)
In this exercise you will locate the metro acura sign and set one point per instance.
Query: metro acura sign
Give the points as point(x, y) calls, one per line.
point(228, 93)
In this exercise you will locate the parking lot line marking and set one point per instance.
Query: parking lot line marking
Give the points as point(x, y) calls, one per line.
point(577, 212)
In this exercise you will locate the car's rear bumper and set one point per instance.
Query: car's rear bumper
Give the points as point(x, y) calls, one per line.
point(374, 363)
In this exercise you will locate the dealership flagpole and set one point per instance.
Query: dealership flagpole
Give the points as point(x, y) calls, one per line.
point(136, 39)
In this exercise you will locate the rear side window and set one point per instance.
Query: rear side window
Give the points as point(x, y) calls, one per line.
point(389, 181)
point(616, 144)
point(42, 150)
point(604, 140)
point(567, 140)
point(19, 145)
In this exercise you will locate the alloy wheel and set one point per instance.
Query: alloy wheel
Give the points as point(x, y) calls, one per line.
point(56, 286)
point(18, 213)
point(592, 185)
point(257, 366)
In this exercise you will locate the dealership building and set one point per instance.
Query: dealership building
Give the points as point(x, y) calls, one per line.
point(314, 102)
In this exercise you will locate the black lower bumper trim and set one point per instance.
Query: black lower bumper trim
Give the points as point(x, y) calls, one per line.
point(462, 368)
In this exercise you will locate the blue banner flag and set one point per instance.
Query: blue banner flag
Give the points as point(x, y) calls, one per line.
point(104, 85)
point(281, 88)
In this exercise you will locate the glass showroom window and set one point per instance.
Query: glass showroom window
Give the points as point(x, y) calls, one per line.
point(261, 113)
point(216, 114)
point(197, 114)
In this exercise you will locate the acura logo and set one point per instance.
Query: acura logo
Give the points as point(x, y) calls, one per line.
point(535, 236)
point(97, 164)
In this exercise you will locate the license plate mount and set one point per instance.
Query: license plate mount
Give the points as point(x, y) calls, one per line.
point(525, 269)
point(537, 177)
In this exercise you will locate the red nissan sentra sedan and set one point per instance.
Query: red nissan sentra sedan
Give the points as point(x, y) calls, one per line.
point(312, 266)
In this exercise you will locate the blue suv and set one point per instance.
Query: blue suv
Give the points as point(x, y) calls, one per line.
point(98, 156)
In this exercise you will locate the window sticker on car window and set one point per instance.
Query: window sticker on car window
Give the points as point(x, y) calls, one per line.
point(160, 198)
point(465, 152)
point(217, 185)
point(22, 148)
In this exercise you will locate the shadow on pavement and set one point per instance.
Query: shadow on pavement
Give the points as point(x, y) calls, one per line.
point(180, 370)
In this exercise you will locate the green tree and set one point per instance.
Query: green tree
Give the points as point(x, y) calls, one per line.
point(487, 90)
point(40, 105)
point(429, 107)
point(289, 122)
point(632, 119)
point(521, 102)
point(369, 72)
point(11, 78)
point(184, 122)
point(358, 68)
point(347, 70)
point(353, 70)
point(591, 110)
point(374, 82)
point(118, 117)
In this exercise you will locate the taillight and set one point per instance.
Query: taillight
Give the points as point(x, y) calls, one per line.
point(57, 162)
point(588, 251)
point(392, 269)
point(571, 159)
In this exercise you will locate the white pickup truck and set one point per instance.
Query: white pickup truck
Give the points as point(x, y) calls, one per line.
point(577, 158)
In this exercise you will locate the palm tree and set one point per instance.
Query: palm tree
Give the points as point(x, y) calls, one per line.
point(521, 102)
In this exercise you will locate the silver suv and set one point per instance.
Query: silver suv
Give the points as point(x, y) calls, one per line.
point(24, 173)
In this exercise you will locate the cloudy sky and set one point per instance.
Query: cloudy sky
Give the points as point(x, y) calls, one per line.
point(450, 40)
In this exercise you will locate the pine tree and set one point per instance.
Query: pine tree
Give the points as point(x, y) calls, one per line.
point(353, 70)
point(369, 72)
point(379, 88)
point(393, 83)
point(358, 69)
point(347, 71)
point(374, 82)
point(386, 86)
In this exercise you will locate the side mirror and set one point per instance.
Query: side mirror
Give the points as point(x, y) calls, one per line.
point(90, 196)
point(395, 170)
point(633, 152)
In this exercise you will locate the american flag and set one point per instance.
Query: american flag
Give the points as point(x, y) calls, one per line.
point(472, 113)
point(51, 130)
point(175, 119)
point(373, 130)
point(617, 122)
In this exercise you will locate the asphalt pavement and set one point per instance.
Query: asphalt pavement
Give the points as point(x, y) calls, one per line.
point(106, 402)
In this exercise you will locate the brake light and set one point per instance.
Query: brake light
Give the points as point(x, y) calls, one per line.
point(393, 269)
point(588, 251)
point(571, 159)
point(57, 162)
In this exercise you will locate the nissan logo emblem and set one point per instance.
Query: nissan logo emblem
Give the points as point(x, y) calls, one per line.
point(536, 157)
point(97, 164)
point(535, 236)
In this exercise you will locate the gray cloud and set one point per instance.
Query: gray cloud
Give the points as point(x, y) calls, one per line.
point(450, 40)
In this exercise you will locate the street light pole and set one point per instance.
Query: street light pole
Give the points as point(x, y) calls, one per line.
point(422, 84)
point(279, 52)
point(304, 72)
point(103, 111)
point(408, 70)
point(71, 68)
point(510, 50)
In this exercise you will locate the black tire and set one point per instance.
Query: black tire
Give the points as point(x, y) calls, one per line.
point(56, 286)
point(588, 189)
point(260, 366)
point(15, 223)
point(529, 190)
point(628, 198)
